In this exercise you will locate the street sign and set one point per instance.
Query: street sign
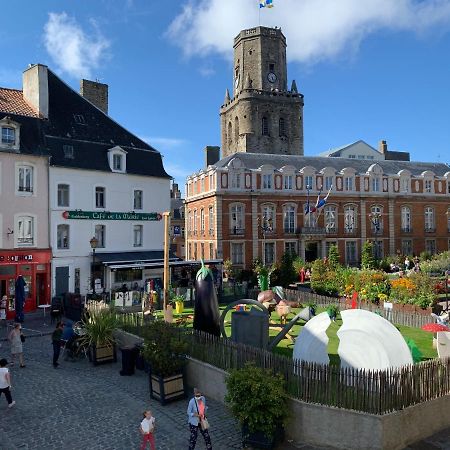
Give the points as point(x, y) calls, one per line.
point(107, 215)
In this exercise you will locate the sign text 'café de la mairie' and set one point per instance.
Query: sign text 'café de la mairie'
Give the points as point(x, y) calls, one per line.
point(107, 215)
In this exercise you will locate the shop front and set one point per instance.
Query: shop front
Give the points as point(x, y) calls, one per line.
point(34, 266)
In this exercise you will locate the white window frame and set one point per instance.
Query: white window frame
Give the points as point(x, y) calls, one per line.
point(269, 211)
point(353, 250)
point(267, 181)
point(202, 220)
point(8, 123)
point(30, 173)
point(375, 183)
point(100, 238)
point(377, 209)
point(349, 183)
point(292, 244)
point(138, 235)
point(136, 206)
point(60, 204)
point(407, 247)
point(237, 218)
point(289, 219)
point(405, 218)
point(60, 244)
point(288, 182)
point(330, 217)
point(211, 219)
point(236, 180)
point(329, 179)
point(429, 219)
point(430, 246)
point(25, 230)
point(350, 219)
point(95, 197)
point(112, 153)
point(266, 246)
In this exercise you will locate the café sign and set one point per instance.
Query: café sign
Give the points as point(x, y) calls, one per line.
point(107, 215)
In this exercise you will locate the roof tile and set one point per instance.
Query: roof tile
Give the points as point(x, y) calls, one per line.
point(12, 102)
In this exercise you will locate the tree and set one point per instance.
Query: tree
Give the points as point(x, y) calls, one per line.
point(334, 257)
point(287, 272)
point(367, 258)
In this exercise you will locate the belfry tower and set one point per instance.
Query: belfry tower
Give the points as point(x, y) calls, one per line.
point(263, 116)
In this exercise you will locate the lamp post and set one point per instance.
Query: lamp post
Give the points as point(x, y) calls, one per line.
point(265, 224)
point(375, 218)
point(94, 242)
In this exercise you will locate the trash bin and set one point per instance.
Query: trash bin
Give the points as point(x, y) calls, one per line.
point(128, 360)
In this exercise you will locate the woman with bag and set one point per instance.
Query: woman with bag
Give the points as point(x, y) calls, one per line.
point(197, 420)
point(16, 339)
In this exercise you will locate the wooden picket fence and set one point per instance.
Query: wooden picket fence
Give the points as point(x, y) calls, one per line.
point(371, 391)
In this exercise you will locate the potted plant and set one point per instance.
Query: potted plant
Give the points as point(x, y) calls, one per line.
point(258, 400)
point(165, 353)
point(179, 303)
point(99, 326)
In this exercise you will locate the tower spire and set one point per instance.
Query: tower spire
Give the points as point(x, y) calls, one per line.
point(294, 87)
point(227, 97)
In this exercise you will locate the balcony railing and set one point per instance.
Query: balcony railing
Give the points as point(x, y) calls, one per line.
point(314, 231)
point(25, 241)
point(406, 230)
point(430, 229)
point(289, 230)
point(237, 231)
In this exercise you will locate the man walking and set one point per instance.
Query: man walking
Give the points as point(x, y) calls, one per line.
point(56, 342)
point(5, 382)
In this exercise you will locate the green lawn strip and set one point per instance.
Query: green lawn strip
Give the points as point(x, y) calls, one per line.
point(423, 339)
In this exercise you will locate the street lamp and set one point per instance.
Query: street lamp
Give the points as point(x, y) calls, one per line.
point(375, 218)
point(265, 224)
point(94, 242)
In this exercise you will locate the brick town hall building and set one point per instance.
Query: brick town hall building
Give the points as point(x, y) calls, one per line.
point(251, 204)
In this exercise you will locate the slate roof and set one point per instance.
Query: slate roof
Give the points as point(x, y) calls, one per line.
point(12, 102)
point(91, 136)
point(255, 160)
point(338, 150)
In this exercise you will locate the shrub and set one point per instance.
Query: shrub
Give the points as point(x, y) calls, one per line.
point(367, 258)
point(257, 398)
point(334, 257)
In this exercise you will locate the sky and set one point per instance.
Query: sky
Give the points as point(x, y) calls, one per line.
point(369, 69)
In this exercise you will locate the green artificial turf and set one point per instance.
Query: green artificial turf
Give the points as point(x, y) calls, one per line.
point(423, 339)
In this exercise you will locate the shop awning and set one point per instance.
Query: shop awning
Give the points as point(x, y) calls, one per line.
point(142, 258)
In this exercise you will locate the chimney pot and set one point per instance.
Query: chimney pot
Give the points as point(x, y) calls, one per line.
point(382, 147)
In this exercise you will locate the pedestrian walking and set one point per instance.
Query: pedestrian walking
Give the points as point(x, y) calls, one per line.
point(147, 430)
point(56, 342)
point(197, 420)
point(5, 382)
point(16, 339)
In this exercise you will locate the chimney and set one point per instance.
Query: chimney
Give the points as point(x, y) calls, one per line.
point(35, 88)
point(175, 192)
point(382, 147)
point(96, 93)
point(212, 155)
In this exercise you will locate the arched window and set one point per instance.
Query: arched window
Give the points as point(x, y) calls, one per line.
point(350, 218)
point(281, 127)
point(268, 217)
point(265, 126)
point(230, 133)
point(236, 130)
point(330, 218)
point(289, 219)
point(237, 219)
point(430, 224)
point(376, 219)
point(406, 220)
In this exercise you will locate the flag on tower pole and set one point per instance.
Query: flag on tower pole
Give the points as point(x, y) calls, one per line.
point(266, 3)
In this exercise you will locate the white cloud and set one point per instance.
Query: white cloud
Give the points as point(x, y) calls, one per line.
point(316, 29)
point(71, 48)
point(176, 171)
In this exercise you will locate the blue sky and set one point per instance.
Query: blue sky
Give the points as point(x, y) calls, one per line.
point(369, 69)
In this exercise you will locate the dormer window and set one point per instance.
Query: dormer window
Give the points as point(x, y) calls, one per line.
point(117, 159)
point(117, 162)
point(8, 135)
point(79, 119)
point(68, 151)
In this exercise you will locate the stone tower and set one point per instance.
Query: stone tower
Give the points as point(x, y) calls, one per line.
point(262, 116)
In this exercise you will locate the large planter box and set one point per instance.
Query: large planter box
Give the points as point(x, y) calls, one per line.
point(166, 389)
point(260, 440)
point(102, 354)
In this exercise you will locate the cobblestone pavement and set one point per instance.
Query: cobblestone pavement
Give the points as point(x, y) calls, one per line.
point(82, 406)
